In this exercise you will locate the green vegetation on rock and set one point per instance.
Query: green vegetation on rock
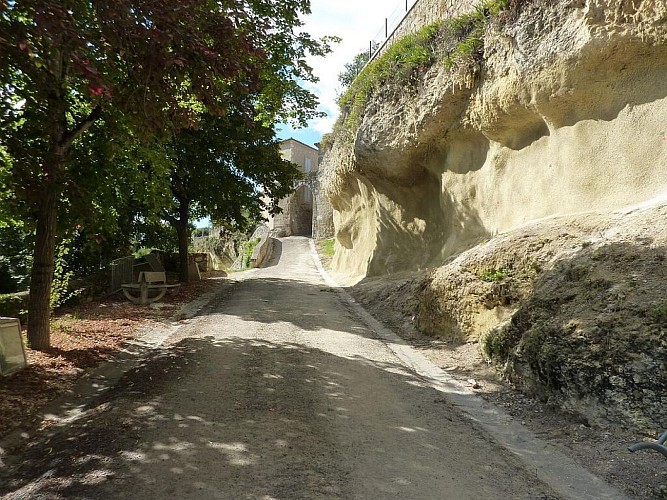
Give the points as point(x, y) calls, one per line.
point(395, 64)
point(492, 275)
point(417, 51)
point(248, 250)
point(659, 314)
point(328, 247)
point(469, 30)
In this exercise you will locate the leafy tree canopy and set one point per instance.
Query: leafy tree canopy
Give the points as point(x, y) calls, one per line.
point(229, 169)
point(153, 65)
point(354, 67)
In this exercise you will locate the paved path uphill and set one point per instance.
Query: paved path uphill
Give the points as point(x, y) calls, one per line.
point(276, 391)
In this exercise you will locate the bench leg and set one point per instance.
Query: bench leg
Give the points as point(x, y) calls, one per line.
point(131, 298)
point(143, 293)
point(143, 297)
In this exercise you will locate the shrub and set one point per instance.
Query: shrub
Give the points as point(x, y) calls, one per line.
point(328, 247)
point(469, 29)
point(14, 305)
point(248, 250)
point(7, 282)
point(498, 344)
point(492, 275)
point(62, 275)
point(659, 314)
point(412, 52)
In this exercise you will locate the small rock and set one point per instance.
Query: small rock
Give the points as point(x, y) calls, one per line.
point(474, 384)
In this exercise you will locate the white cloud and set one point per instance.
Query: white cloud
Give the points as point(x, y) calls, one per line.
point(356, 22)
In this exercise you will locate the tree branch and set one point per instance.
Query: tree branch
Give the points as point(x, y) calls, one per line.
point(81, 127)
point(170, 218)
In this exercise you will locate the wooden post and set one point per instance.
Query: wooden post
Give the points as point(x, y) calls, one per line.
point(143, 289)
point(386, 28)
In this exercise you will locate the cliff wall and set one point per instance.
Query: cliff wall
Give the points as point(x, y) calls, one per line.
point(566, 113)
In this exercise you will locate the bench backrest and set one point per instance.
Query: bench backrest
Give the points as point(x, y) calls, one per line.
point(154, 262)
point(153, 277)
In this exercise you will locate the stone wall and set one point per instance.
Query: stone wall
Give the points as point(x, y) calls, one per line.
point(425, 12)
point(279, 223)
point(202, 259)
point(262, 250)
point(297, 210)
point(323, 225)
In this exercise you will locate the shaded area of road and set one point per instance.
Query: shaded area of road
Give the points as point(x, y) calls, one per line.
point(276, 391)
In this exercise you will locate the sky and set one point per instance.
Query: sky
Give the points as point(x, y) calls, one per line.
point(356, 22)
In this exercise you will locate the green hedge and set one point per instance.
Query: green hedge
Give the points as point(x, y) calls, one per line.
point(14, 305)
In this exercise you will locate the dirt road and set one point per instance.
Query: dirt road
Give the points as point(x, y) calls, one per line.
point(277, 390)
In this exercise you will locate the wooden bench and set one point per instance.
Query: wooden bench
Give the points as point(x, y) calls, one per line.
point(149, 281)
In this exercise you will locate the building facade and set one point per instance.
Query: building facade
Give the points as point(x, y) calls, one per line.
point(296, 217)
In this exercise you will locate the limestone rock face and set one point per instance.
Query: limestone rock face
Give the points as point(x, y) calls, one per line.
point(567, 114)
point(571, 308)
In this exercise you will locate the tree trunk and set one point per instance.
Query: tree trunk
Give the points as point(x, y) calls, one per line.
point(182, 228)
point(49, 191)
point(41, 276)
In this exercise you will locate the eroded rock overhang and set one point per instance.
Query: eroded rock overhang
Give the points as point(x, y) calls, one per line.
point(566, 113)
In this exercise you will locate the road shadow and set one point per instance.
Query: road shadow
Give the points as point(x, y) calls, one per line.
point(274, 420)
point(309, 306)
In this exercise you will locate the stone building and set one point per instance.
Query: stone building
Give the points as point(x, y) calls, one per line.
point(323, 225)
point(305, 212)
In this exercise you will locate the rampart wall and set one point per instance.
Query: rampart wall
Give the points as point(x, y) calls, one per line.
point(425, 12)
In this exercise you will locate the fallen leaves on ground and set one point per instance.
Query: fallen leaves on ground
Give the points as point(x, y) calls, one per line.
point(82, 337)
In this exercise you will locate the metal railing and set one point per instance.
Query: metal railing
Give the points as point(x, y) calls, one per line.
point(391, 23)
point(121, 272)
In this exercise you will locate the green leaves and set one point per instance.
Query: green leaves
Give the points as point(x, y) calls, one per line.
point(225, 167)
point(395, 64)
point(469, 29)
point(62, 274)
point(93, 93)
point(353, 68)
point(410, 53)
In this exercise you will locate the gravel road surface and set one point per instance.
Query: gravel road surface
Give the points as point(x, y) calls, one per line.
point(277, 390)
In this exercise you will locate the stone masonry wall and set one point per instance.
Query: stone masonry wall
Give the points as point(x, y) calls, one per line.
point(425, 12)
point(323, 226)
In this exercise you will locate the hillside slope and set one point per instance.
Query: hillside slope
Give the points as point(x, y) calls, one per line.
point(572, 308)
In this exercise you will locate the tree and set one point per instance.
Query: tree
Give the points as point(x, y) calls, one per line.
point(229, 169)
point(354, 67)
point(157, 63)
point(15, 234)
point(111, 194)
